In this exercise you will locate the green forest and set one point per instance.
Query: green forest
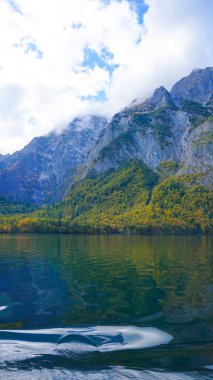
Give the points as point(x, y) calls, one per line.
point(133, 199)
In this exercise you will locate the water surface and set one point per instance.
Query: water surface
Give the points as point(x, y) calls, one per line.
point(106, 307)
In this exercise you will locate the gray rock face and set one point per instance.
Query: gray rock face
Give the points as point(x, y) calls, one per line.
point(199, 153)
point(2, 160)
point(42, 171)
point(169, 128)
point(198, 87)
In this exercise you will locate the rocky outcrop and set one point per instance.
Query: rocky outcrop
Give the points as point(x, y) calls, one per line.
point(197, 87)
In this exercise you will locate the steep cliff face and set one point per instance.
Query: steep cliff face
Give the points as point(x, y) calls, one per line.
point(169, 129)
point(196, 87)
point(42, 171)
point(198, 156)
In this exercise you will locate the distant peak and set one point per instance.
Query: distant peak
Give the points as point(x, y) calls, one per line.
point(160, 98)
point(161, 92)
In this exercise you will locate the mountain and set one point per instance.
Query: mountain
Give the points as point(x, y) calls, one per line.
point(149, 170)
point(168, 131)
point(42, 171)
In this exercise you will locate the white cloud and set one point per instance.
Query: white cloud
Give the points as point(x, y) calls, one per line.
point(43, 84)
point(177, 37)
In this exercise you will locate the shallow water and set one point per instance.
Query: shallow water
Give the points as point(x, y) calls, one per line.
point(106, 307)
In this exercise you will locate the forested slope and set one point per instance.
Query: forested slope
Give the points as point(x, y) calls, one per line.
point(133, 199)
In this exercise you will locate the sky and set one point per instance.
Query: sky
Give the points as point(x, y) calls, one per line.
point(64, 58)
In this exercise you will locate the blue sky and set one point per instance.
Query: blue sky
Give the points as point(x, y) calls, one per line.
point(64, 58)
point(140, 7)
point(104, 59)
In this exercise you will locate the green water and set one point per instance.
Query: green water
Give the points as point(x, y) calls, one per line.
point(56, 281)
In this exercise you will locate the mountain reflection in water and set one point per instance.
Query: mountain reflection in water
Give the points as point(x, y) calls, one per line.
point(147, 299)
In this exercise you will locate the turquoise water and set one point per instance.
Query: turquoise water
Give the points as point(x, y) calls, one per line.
point(106, 307)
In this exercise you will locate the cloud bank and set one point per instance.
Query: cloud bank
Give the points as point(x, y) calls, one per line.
point(60, 59)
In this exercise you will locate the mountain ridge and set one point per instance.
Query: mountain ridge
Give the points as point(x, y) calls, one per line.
point(168, 130)
point(149, 170)
point(162, 129)
point(42, 171)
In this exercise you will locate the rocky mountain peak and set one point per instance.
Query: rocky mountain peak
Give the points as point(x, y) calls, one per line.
point(160, 98)
point(197, 87)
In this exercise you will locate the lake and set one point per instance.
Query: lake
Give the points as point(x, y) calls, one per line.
point(106, 307)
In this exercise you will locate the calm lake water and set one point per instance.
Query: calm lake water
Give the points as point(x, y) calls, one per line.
point(106, 307)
